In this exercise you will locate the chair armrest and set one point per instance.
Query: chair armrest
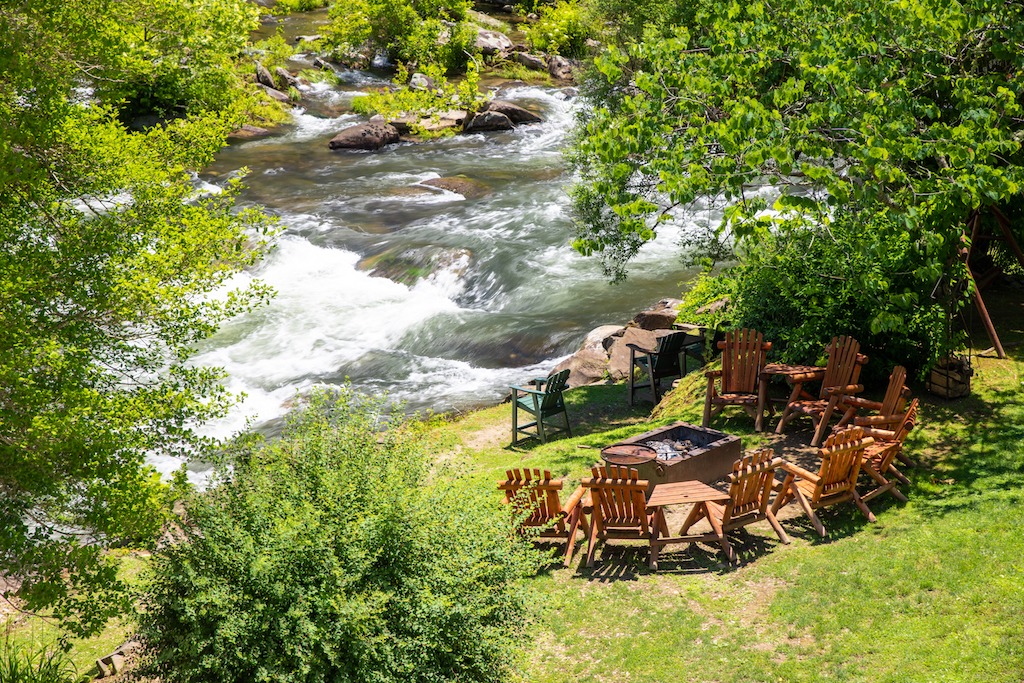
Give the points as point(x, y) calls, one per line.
point(848, 389)
point(711, 374)
point(575, 499)
point(799, 471)
point(526, 390)
point(862, 403)
point(877, 420)
point(637, 347)
point(884, 434)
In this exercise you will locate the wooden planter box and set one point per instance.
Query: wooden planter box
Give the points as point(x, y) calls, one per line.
point(950, 378)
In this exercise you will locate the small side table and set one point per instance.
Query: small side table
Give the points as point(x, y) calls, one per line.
point(806, 373)
point(695, 493)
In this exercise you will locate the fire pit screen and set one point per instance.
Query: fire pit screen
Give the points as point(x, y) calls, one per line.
point(678, 452)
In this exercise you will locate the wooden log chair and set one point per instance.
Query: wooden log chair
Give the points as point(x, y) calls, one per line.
point(750, 487)
point(887, 412)
point(835, 482)
point(839, 381)
point(618, 507)
point(534, 495)
point(662, 362)
point(743, 357)
point(880, 456)
point(543, 400)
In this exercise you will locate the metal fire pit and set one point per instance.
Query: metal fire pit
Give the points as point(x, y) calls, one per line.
point(678, 452)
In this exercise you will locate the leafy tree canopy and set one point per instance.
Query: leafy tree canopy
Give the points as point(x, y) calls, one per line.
point(111, 259)
point(906, 114)
point(338, 553)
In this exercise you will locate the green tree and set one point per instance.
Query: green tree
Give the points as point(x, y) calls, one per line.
point(807, 112)
point(416, 32)
point(337, 553)
point(113, 267)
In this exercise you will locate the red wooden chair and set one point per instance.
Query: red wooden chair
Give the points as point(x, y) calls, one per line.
point(534, 494)
point(618, 507)
point(743, 357)
point(839, 381)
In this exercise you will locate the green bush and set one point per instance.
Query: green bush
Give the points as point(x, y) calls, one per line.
point(337, 553)
point(860, 275)
point(417, 32)
point(562, 29)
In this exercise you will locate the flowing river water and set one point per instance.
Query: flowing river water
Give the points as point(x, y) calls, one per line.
point(502, 297)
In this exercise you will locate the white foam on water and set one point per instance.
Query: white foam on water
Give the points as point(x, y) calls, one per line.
point(326, 315)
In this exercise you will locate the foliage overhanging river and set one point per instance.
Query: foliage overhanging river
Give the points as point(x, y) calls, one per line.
point(506, 297)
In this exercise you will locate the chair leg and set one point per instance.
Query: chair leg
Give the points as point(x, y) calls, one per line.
point(779, 531)
point(515, 420)
point(822, 425)
point(592, 544)
point(568, 429)
point(802, 499)
point(540, 427)
point(863, 508)
point(730, 554)
point(788, 415)
point(570, 544)
point(899, 475)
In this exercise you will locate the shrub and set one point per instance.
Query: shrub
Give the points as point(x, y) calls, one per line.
point(859, 275)
point(336, 553)
point(563, 29)
point(418, 32)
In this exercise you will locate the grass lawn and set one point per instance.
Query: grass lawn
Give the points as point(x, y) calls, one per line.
point(934, 591)
point(931, 592)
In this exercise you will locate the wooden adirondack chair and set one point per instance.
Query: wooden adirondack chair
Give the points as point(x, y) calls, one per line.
point(750, 487)
point(743, 357)
point(880, 456)
point(543, 401)
point(835, 482)
point(888, 412)
point(535, 494)
point(662, 362)
point(618, 506)
point(840, 380)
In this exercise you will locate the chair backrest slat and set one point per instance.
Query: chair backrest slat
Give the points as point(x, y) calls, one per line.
point(618, 495)
point(751, 484)
point(553, 388)
point(840, 461)
point(892, 403)
point(743, 356)
point(666, 354)
point(844, 363)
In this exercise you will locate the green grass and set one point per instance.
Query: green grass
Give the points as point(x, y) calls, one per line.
point(931, 592)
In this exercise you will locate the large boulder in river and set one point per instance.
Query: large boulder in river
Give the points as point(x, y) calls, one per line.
point(660, 316)
point(492, 42)
point(486, 121)
point(535, 62)
point(263, 76)
point(365, 136)
point(460, 184)
point(514, 112)
point(276, 94)
point(604, 354)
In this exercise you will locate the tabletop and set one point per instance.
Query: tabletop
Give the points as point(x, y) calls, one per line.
point(684, 492)
point(783, 369)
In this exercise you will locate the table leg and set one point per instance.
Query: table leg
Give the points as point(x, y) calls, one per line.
point(762, 403)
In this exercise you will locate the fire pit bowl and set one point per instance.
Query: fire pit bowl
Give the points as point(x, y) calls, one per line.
point(678, 452)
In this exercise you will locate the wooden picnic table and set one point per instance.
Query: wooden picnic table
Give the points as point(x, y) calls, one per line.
point(695, 493)
point(792, 373)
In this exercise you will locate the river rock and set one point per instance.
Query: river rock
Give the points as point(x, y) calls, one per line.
point(312, 38)
point(421, 82)
point(660, 316)
point(590, 363)
point(452, 118)
point(460, 184)
point(492, 42)
point(486, 121)
point(514, 112)
point(276, 94)
point(560, 68)
point(618, 351)
point(263, 76)
point(365, 136)
point(535, 62)
point(285, 78)
point(408, 266)
point(248, 132)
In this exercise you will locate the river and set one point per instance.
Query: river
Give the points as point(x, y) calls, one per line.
point(505, 297)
